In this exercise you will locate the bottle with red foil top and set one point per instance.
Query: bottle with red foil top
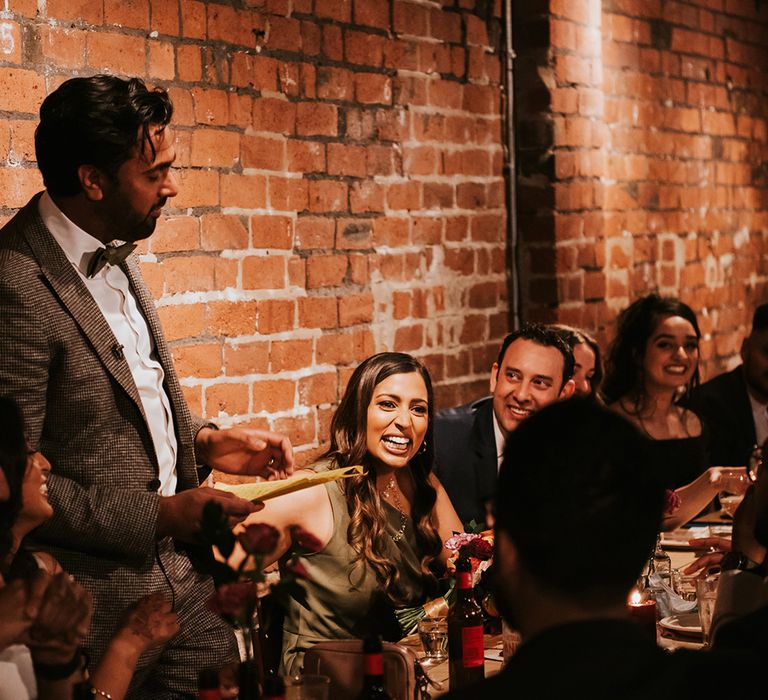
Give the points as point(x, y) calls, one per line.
point(373, 670)
point(466, 662)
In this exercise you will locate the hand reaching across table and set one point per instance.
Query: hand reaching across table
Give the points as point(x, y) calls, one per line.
point(744, 540)
point(716, 548)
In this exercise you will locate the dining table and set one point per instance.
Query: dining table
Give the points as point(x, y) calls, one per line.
point(681, 554)
point(438, 672)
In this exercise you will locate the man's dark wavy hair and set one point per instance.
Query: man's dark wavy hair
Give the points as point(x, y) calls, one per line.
point(98, 121)
point(546, 336)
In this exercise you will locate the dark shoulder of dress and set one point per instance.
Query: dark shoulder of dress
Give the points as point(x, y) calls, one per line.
point(681, 460)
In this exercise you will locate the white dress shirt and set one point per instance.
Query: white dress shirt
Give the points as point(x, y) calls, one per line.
point(111, 291)
point(500, 441)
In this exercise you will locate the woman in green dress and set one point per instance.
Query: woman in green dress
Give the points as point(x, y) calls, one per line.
point(381, 533)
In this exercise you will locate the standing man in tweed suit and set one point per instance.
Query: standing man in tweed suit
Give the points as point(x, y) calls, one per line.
point(83, 354)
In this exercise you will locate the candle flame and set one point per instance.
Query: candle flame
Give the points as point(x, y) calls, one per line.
point(635, 598)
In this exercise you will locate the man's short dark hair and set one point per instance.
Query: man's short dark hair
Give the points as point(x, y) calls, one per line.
point(541, 335)
point(760, 318)
point(96, 121)
point(578, 496)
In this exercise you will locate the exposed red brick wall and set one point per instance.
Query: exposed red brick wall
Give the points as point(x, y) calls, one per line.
point(341, 192)
point(643, 150)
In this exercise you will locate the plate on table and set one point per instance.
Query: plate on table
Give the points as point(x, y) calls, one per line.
point(684, 623)
point(678, 538)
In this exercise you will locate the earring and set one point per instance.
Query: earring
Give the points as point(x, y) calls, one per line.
point(423, 449)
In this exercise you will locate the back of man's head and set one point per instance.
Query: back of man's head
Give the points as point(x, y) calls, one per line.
point(579, 498)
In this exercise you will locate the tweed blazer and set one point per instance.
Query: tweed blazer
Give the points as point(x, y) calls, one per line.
point(61, 362)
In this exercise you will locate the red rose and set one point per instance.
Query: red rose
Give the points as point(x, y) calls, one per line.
point(259, 539)
point(479, 549)
point(305, 540)
point(232, 599)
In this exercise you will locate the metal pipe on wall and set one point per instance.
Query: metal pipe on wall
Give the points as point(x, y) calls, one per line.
point(510, 174)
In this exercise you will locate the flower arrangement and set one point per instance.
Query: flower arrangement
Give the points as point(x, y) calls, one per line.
point(478, 546)
point(238, 587)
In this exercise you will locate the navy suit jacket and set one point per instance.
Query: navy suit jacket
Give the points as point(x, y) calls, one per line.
point(723, 404)
point(465, 449)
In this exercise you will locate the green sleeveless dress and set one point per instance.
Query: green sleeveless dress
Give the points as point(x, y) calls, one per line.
point(341, 605)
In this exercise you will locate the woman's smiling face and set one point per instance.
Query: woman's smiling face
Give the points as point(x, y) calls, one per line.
point(583, 369)
point(671, 353)
point(35, 508)
point(397, 419)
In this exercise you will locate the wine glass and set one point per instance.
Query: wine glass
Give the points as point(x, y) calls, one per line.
point(733, 483)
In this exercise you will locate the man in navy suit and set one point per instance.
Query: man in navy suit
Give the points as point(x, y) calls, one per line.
point(534, 368)
point(734, 405)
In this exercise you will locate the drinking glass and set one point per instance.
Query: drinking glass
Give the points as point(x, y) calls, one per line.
point(433, 632)
point(684, 586)
point(308, 686)
point(706, 594)
point(734, 484)
point(729, 502)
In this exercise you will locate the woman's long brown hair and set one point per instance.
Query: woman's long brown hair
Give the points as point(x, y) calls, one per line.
point(367, 533)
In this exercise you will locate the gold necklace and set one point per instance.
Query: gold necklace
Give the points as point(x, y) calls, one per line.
point(390, 491)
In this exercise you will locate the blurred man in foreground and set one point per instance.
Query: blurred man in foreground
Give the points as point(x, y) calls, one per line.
point(582, 507)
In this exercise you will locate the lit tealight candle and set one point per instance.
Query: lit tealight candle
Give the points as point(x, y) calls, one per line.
point(643, 612)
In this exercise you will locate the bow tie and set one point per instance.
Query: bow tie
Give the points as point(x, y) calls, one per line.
point(112, 255)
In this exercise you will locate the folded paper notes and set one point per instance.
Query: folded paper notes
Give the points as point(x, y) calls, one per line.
point(262, 490)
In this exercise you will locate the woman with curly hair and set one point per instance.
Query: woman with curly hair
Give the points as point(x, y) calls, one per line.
point(652, 366)
point(381, 533)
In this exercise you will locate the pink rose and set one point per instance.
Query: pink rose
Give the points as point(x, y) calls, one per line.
point(305, 540)
point(232, 599)
point(259, 539)
point(455, 543)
